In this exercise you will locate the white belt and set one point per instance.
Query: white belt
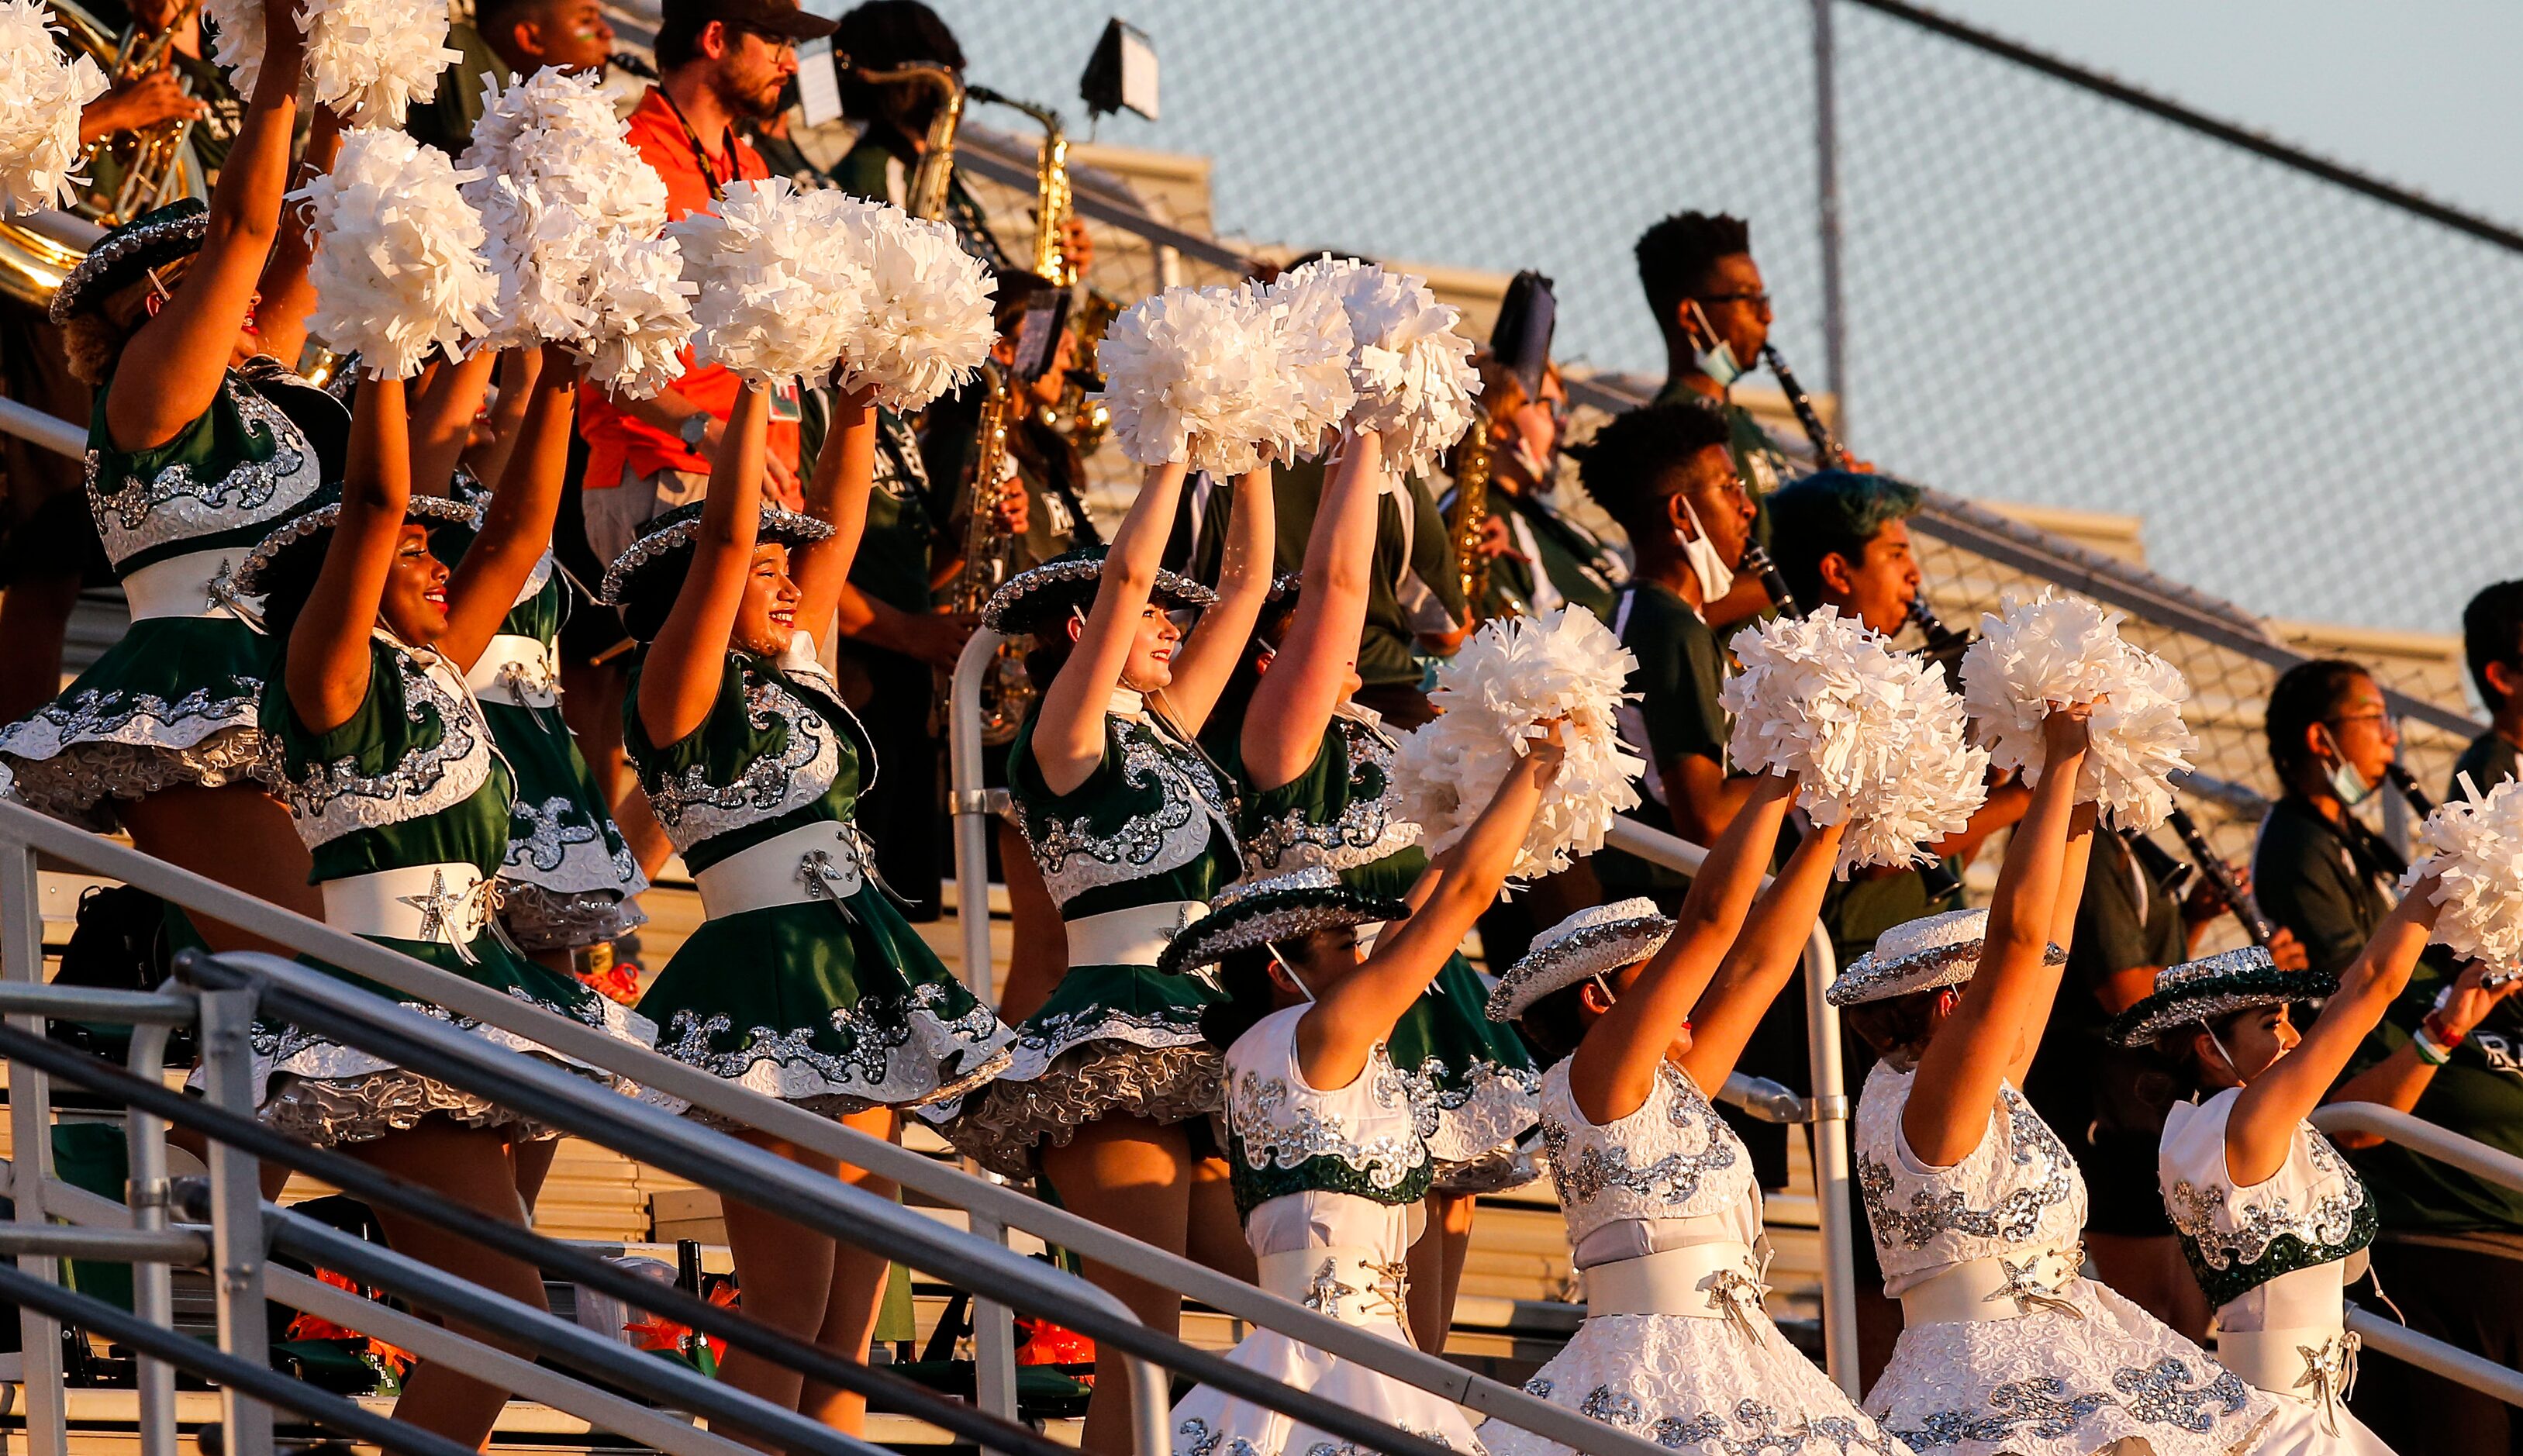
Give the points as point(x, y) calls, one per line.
point(824, 860)
point(1720, 1279)
point(2315, 1364)
point(446, 903)
point(2002, 1288)
point(181, 586)
point(1136, 936)
point(518, 671)
point(1348, 1282)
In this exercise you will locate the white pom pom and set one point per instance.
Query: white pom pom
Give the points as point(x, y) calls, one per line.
point(2476, 843)
point(1315, 344)
point(925, 327)
point(1412, 372)
point(1513, 673)
point(369, 59)
point(573, 209)
point(41, 92)
point(1192, 374)
point(1876, 737)
point(2056, 650)
point(399, 271)
point(781, 289)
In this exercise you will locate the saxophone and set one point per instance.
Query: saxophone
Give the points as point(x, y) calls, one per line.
point(1465, 522)
point(928, 194)
point(1055, 202)
point(1006, 692)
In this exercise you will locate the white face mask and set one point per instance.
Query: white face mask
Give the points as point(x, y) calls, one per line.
point(1716, 577)
point(1718, 363)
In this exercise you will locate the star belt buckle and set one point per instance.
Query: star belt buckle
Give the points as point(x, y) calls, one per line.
point(1734, 1293)
point(1326, 1291)
point(438, 914)
point(2027, 1288)
point(824, 874)
point(2330, 1369)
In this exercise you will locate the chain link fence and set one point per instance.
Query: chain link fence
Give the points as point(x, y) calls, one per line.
point(2051, 296)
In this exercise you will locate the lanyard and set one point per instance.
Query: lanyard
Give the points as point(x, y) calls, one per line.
point(700, 153)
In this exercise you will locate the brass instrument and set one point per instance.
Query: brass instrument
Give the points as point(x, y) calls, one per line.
point(928, 195)
point(1466, 522)
point(1090, 314)
point(36, 252)
point(1006, 693)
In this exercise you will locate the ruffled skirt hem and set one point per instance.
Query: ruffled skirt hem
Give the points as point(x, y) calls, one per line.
point(543, 920)
point(1003, 1125)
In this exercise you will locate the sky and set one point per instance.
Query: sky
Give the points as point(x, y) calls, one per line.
point(2051, 297)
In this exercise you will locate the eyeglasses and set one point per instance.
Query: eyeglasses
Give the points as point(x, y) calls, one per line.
point(2381, 718)
point(1760, 301)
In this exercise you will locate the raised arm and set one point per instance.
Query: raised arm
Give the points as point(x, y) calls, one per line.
point(173, 367)
point(443, 415)
point(2262, 1128)
point(1068, 725)
point(1292, 709)
point(2399, 1079)
point(2047, 979)
point(288, 295)
point(837, 495)
point(1959, 1075)
point(326, 674)
point(1360, 1009)
point(1762, 961)
point(1207, 657)
point(681, 678)
point(517, 525)
point(1614, 1067)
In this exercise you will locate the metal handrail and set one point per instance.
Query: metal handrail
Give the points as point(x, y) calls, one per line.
point(992, 1205)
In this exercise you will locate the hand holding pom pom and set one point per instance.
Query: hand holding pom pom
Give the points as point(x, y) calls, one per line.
point(399, 271)
point(1192, 374)
point(782, 290)
point(1412, 372)
point(2474, 846)
point(924, 326)
point(1874, 737)
point(41, 94)
point(367, 58)
point(1517, 671)
point(2059, 651)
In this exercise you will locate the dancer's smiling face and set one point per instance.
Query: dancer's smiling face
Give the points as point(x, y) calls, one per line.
point(1152, 650)
point(414, 603)
point(766, 620)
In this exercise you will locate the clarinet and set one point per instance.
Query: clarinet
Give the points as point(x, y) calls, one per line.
point(2408, 783)
point(1945, 646)
point(1826, 447)
point(2246, 909)
point(1757, 562)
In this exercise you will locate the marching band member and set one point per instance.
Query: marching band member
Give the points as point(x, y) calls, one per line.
point(804, 983)
point(1976, 1205)
point(2271, 1219)
point(1132, 827)
point(1662, 1209)
point(395, 787)
point(1326, 1161)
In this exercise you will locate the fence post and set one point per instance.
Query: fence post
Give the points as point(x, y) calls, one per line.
point(994, 1343)
point(1835, 324)
point(236, 1214)
point(1829, 1109)
point(152, 1290)
point(31, 1132)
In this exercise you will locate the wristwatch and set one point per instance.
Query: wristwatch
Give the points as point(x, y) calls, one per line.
point(695, 429)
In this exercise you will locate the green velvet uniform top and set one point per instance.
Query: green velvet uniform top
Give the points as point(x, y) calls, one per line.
point(225, 480)
point(777, 750)
point(410, 779)
point(1150, 825)
point(1681, 668)
point(903, 520)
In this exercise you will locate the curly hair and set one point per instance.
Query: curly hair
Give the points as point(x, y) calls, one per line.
point(1675, 256)
point(94, 337)
point(1629, 465)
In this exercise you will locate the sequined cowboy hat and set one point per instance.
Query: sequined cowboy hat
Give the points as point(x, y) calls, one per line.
point(1254, 912)
point(156, 237)
point(651, 567)
point(295, 549)
point(1605, 937)
point(1920, 955)
point(1038, 596)
point(2196, 992)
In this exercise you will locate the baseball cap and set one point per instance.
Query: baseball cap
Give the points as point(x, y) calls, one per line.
point(781, 17)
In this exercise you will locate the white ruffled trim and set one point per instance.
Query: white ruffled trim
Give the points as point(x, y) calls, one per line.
point(41, 94)
point(398, 269)
point(1494, 1111)
point(1513, 673)
point(2063, 649)
point(1875, 738)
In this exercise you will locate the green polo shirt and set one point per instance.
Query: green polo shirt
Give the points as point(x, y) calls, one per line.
point(447, 120)
point(1674, 713)
point(2318, 881)
point(904, 513)
point(2489, 760)
point(2479, 1094)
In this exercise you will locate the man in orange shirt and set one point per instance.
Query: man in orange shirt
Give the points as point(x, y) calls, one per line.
point(719, 63)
